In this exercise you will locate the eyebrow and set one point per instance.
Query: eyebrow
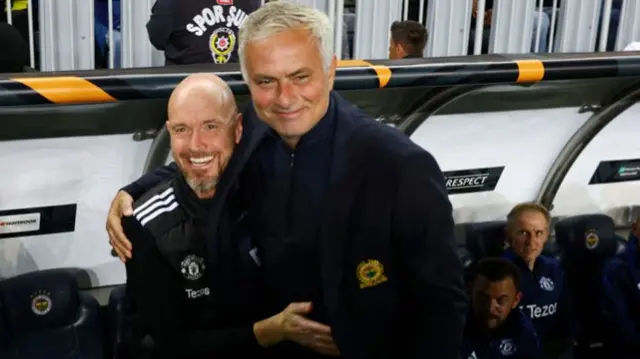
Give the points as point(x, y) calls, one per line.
point(298, 72)
point(292, 74)
point(205, 122)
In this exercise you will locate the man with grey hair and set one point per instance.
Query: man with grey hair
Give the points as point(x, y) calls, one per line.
point(351, 220)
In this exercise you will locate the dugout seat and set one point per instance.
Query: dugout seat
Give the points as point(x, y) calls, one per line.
point(45, 316)
point(587, 242)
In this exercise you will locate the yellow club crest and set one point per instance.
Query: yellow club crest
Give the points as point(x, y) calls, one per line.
point(591, 238)
point(370, 273)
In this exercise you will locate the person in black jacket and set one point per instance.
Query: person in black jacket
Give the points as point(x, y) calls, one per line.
point(198, 31)
point(496, 328)
point(348, 215)
point(189, 305)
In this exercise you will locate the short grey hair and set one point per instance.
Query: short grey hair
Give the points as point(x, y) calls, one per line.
point(277, 16)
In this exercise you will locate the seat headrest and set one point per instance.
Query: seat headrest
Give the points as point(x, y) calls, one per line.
point(589, 236)
point(485, 239)
point(39, 300)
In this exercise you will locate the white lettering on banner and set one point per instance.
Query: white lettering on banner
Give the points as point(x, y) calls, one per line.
point(466, 181)
point(194, 294)
point(214, 16)
point(541, 311)
point(19, 223)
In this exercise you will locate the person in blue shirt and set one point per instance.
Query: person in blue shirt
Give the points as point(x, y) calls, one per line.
point(621, 298)
point(496, 328)
point(545, 295)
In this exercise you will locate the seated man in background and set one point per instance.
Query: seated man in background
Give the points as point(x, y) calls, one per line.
point(621, 298)
point(408, 39)
point(545, 295)
point(496, 328)
point(191, 306)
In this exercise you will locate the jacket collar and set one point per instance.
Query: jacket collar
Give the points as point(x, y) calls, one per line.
point(510, 254)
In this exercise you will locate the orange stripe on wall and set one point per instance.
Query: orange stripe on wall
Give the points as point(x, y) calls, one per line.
point(66, 89)
point(383, 72)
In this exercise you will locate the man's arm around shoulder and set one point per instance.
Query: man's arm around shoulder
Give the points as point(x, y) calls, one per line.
point(150, 180)
point(431, 271)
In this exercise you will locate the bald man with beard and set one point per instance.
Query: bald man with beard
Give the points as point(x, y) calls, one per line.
point(187, 302)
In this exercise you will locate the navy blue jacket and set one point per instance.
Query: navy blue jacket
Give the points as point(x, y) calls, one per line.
point(391, 281)
point(545, 297)
point(621, 299)
point(516, 338)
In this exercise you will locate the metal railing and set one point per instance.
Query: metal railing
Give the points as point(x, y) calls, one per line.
point(63, 35)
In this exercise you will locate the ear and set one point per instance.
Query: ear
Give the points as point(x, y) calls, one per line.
point(332, 71)
point(239, 128)
point(401, 50)
point(517, 301)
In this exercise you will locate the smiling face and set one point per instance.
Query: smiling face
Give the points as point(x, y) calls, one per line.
point(289, 83)
point(204, 131)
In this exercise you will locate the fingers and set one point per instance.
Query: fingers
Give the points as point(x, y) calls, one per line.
point(309, 326)
point(121, 252)
point(122, 204)
point(299, 308)
point(324, 344)
point(328, 350)
point(125, 203)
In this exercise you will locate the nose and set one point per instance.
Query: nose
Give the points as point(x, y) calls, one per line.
point(286, 96)
point(494, 308)
point(196, 142)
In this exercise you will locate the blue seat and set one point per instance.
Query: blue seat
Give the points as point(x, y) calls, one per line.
point(485, 239)
point(587, 242)
point(46, 317)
